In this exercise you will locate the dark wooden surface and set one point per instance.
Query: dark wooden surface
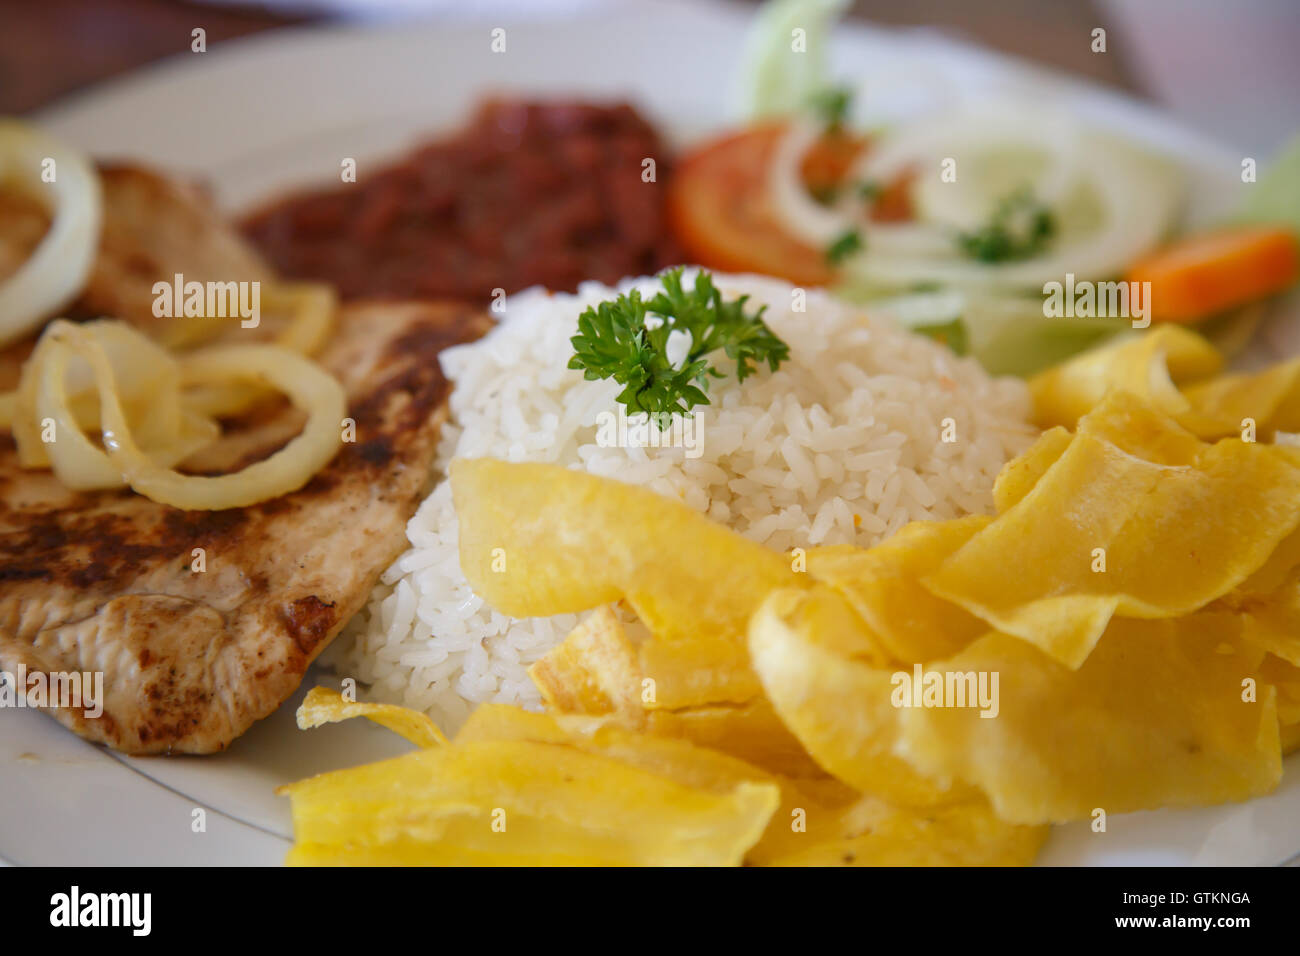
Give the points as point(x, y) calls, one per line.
point(1056, 33)
point(52, 47)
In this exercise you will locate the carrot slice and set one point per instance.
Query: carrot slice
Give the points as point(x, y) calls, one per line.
point(1196, 277)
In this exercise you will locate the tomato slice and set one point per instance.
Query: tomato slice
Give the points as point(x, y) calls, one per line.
point(894, 204)
point(718, 205)
point(826, 165)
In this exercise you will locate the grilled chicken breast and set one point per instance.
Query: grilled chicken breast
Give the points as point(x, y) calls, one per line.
point(110, 581)
point(155, 227)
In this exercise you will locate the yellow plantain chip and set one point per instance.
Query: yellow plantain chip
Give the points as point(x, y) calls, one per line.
point(1280, 568)
point(1018, 476)
point(508, 722)
point(325, 706)
point(752, 732)
point(409, 852)
point(676, 759)
point(882, 584)
point(668, 755)
point(565, 541)
point(839, 708)
point(1106, 532)
point(710, 669)
point(1176, 371)
point(1159, 715)
point(1275, 626)
point(505, 802)
point(1290, 738)
point(871, 832)
point(592, 671)
point(598, 670)
point(1141, 430)
point(537, 540)
point(595, 672)
point(819, 821)
point(1147, 365)
point(1270, 398)
point(1285, 676)
point(1271, 621)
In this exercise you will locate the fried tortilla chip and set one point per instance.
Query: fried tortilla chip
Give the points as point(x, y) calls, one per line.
point(1106, 531)
point(325, 706)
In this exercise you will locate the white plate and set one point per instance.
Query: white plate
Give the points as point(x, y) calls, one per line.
point(285, 108)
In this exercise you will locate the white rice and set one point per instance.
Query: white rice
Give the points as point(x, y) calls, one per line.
point(850, 427)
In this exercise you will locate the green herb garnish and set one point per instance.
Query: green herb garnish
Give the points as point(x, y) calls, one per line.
point(832, 105)
point(1018, 229)
point(869, 190)
point(614, 341)
point(844, 246)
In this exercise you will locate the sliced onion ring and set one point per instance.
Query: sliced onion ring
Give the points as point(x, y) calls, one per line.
point(819, 225)
point(78, 463)
point(313, 305)
point(56, 271)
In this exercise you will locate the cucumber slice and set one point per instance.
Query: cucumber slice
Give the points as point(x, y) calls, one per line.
point(779, 79)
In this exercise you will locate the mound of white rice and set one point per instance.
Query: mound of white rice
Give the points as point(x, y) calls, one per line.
point(844, 444)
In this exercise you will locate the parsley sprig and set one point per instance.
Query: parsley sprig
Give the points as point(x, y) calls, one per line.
point(831, 105)
point(615, 341)
point(1019, 228)
point(844, 245)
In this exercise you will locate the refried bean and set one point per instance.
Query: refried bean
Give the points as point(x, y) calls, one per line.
point(529, 193)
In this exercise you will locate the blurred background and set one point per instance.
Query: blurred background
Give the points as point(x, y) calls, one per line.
point(1231, 68)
